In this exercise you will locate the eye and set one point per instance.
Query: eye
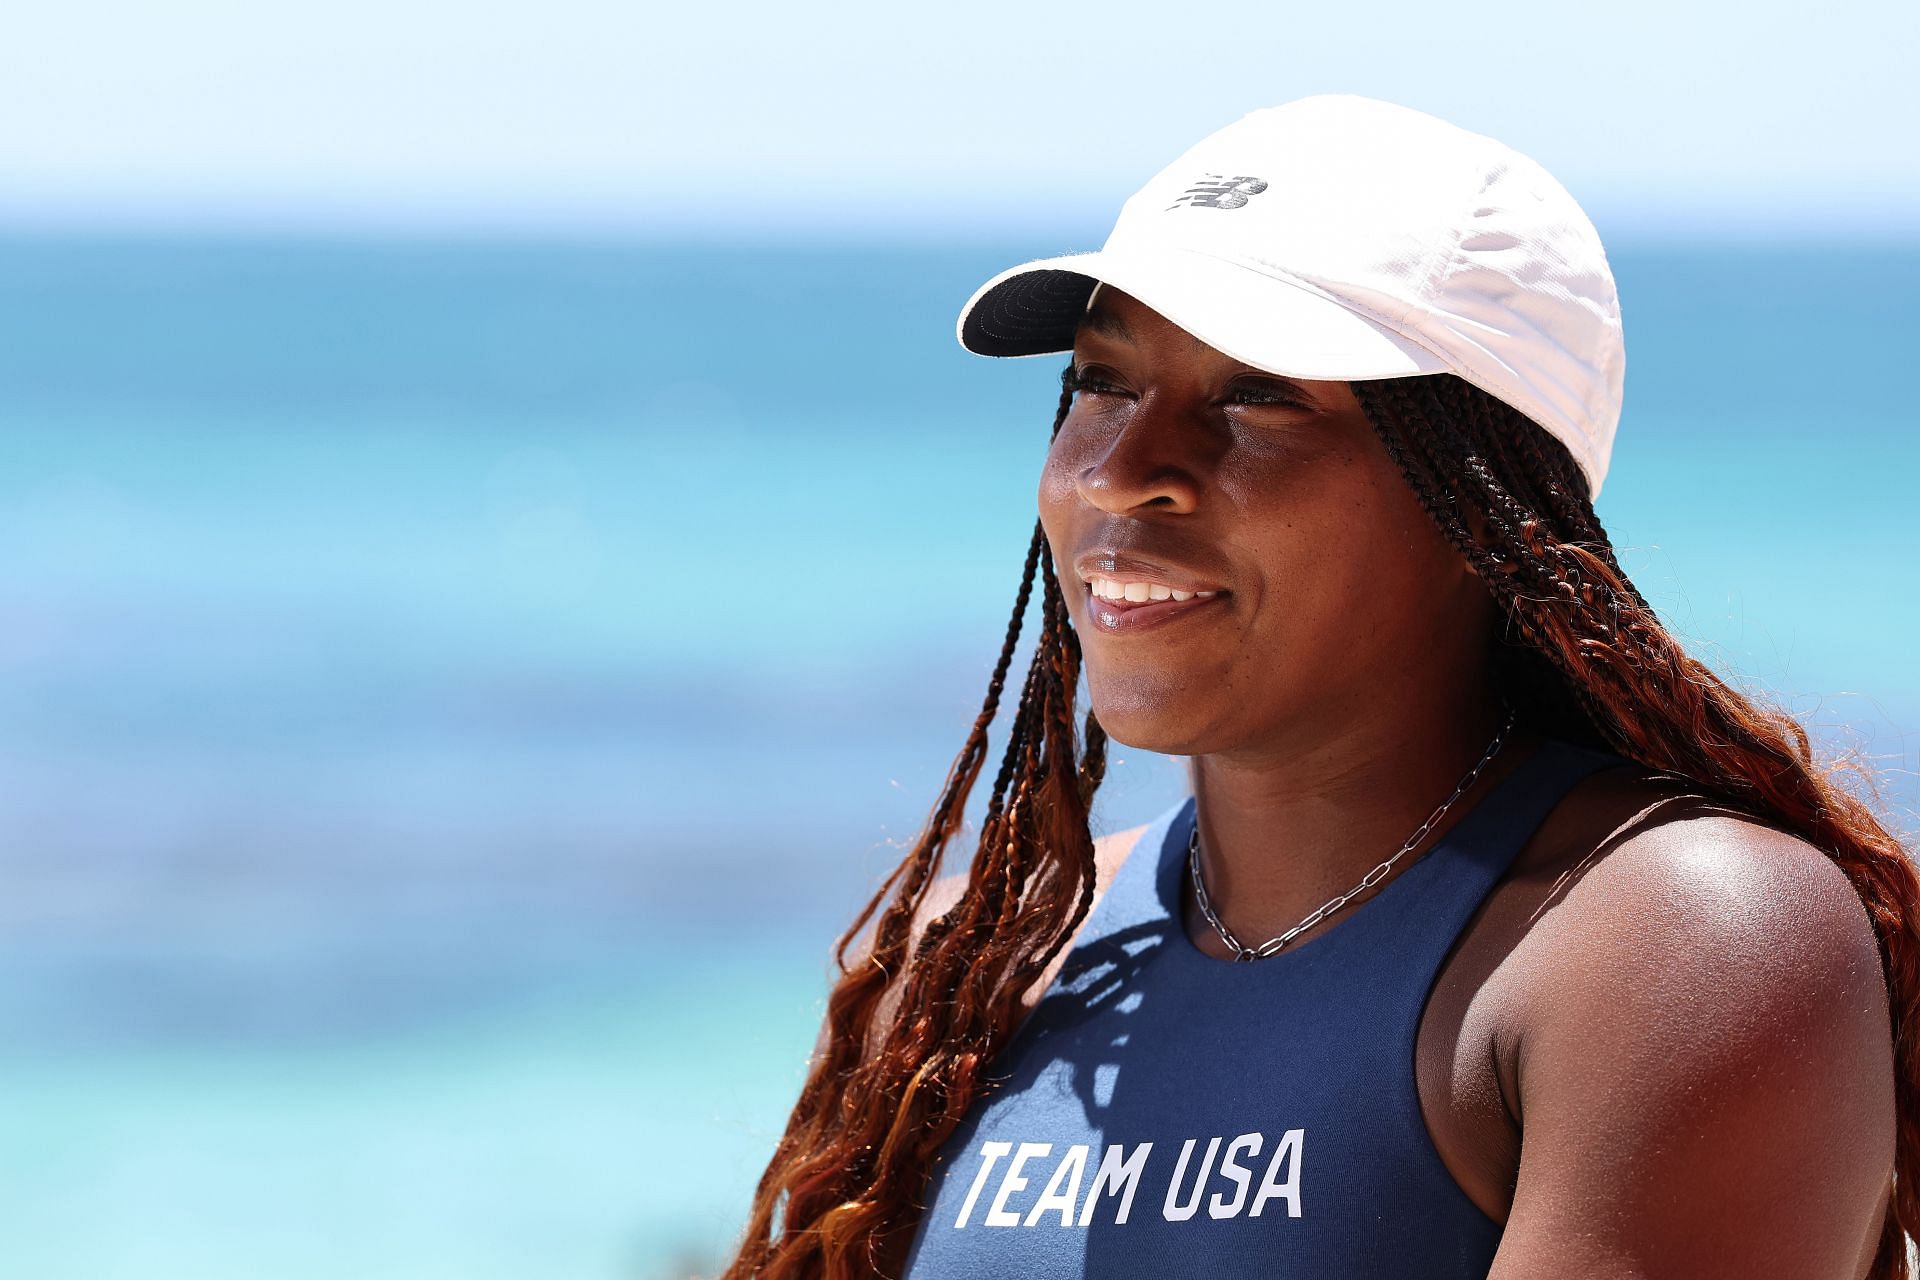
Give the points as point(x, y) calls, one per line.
point(1265, 393)
point(1087, 380)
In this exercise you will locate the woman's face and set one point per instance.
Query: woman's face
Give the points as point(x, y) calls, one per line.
point(1183, 469)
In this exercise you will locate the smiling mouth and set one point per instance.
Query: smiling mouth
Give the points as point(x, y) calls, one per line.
point(1121, 593)
point(1121, 608)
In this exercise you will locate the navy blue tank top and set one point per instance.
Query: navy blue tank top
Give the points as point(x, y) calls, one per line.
point(1165, 1113)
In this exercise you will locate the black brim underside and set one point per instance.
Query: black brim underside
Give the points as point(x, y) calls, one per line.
point(1028, 315)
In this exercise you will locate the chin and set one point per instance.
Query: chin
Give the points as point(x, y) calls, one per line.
point(1167, 726)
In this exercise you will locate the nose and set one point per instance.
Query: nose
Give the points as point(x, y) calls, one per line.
point(1145, 461)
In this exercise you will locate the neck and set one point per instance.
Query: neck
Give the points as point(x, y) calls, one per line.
point(1300, 818)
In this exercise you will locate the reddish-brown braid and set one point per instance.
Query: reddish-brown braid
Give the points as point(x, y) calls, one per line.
point(1585, 658)
point(841, 1194)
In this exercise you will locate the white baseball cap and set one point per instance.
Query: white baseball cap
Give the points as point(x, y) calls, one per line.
point(1344, 238)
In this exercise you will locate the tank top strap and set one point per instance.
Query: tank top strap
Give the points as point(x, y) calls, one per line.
point(1479, 849)
point(1133, 898)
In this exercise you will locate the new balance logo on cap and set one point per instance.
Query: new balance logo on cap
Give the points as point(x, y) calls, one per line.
point(1217, 191)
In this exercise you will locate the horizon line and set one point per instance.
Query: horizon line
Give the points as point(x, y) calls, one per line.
point(908, 217)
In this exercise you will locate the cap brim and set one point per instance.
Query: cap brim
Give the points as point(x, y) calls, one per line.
point(1262, 320)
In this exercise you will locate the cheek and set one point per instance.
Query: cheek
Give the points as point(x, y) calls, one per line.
point(1056, 491)
point(1354, 560)
point(1401, 574)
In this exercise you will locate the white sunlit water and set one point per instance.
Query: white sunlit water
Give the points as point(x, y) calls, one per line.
point(451, 695)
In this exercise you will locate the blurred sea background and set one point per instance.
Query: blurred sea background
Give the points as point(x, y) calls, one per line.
point(458, 673)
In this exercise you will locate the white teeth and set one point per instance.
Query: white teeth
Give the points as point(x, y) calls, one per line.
point(1140, 592)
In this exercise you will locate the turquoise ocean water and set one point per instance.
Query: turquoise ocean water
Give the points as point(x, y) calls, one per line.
point(450, 694)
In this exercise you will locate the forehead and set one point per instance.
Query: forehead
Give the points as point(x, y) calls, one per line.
point(1120, 317)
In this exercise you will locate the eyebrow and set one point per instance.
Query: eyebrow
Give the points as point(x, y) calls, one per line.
point(1109, 324)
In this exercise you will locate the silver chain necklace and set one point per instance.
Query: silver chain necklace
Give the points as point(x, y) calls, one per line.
point(1242, 952)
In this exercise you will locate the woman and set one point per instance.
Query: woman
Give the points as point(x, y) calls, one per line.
point(1498, 937)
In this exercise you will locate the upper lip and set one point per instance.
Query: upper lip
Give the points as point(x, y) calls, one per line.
point(1128, 566)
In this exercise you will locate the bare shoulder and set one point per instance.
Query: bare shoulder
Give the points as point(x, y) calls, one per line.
point(1109, 853)
point(1702, 1013)
point(1707, 903)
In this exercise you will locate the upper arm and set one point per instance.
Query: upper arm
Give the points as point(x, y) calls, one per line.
point(1704, 1072)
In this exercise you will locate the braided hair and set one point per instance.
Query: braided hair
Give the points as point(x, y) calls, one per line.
point(914, 1020)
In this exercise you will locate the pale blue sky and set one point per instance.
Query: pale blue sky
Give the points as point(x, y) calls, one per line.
point(764, 118)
